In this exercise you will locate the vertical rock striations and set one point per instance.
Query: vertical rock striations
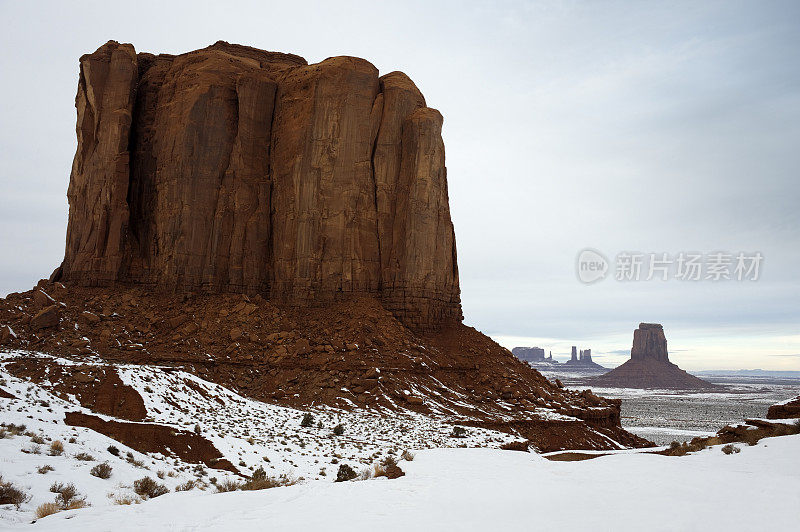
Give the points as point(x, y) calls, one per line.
point(231, 169)
point(98, 187)
point(649, 342)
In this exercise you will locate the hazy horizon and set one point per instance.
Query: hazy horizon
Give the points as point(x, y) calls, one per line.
point(568, 125)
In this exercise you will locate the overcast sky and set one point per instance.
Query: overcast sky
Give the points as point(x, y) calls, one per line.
point(618, 126)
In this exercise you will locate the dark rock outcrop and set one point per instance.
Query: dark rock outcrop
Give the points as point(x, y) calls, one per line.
point(649, 365)
point(231, 169)
point(785, 410)
point(154, 438)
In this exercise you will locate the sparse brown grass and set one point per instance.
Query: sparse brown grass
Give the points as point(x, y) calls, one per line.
point(407, 455)
point(56, 448)
point(125, 500)
point(260, 481)
point(77, 503)
point(84, 457)
point(186, 486)
point(48, 508)
point(228, 485)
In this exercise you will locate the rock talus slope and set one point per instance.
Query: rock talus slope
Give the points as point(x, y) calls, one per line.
point(230, 169)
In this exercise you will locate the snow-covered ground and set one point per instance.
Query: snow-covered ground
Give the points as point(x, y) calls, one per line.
point(249, 433)
point(488, 489)
point(446, 487)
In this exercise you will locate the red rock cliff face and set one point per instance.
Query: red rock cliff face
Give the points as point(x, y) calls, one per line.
point(231, 169)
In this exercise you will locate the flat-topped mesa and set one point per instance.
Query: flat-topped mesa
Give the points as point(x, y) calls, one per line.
point(232, 169)
point(649, 342)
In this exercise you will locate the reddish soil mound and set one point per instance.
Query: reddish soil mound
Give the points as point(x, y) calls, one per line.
point(345, 354)
point(152, 438)
point(97, 388)
point(786, 410)
point(5, 395)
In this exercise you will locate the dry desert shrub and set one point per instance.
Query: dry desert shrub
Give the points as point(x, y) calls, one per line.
point(42, 470)
point(730, 449)
point(124, 500)
point(345, 473)
point(48, 508)
point(67, 496)
point(458, 432)
point(77, 503)
point(228, 485)
point(56, 448)
point(101, 471)
point(10, 494)
point(260, 481)
point(308, 420)
point(149, 488)
point(407, 455)
point(186, 486)
point(388, 468)
point(84, 457)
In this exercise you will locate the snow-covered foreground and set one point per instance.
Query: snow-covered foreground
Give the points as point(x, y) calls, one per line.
point(489, 489)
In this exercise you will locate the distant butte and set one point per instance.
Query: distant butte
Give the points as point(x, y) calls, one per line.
point(649, 365)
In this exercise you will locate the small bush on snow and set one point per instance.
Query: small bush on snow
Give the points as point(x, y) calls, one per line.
point(10, 494)
point(260, 481)
point(228, 485)
point(345, 473)
point(56, 448)
point(186, 486)
point(113, 450)
point(338, 430)
point(458, 432)
point(67, 496)
point(730, 449)
point(147, 487)
point(84, 457)
point(42, 470)
point(101, 471)
point(308, 420)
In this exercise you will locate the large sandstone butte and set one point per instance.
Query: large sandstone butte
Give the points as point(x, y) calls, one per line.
point(282, 229)
point(232, 169)
point(649, 365)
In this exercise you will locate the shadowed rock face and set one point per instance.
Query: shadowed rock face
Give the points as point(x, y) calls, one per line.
point(649, 342)
point(231, 169)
